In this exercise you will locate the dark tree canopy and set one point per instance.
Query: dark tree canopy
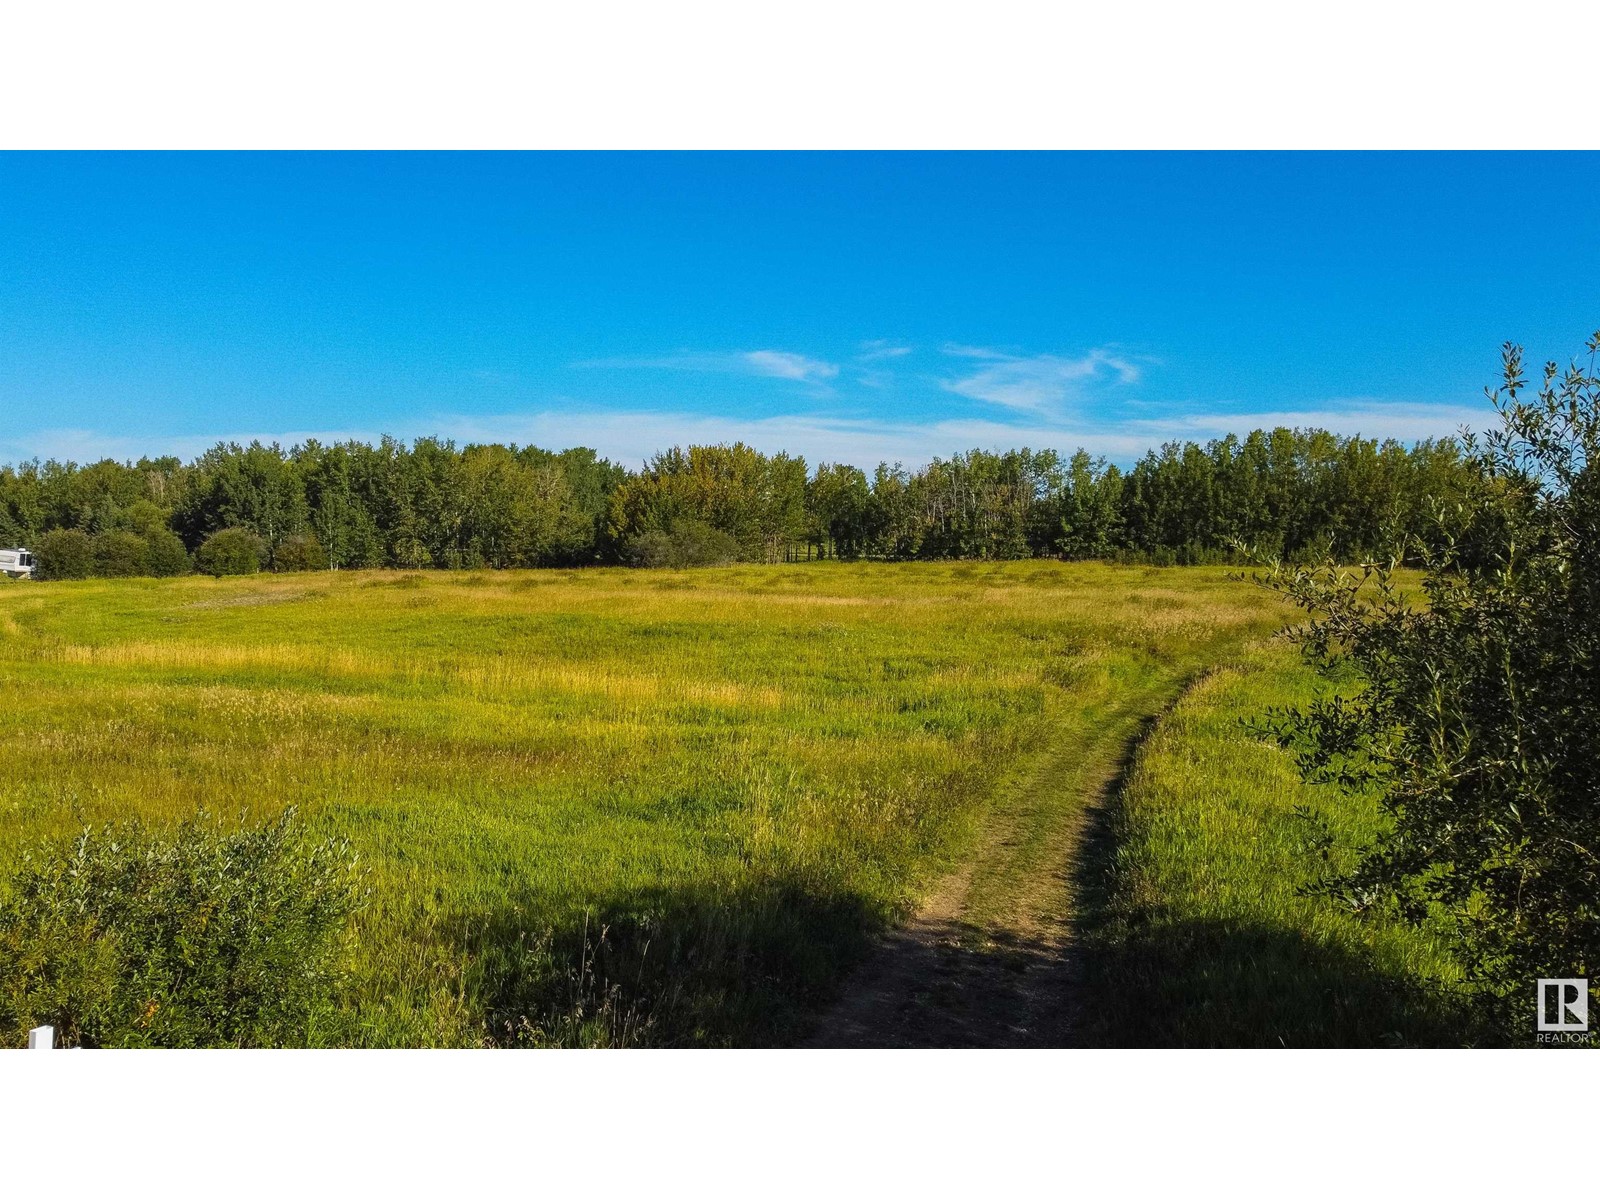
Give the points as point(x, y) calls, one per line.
point(1302, 493)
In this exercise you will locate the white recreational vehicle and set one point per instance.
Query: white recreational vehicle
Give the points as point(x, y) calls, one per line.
point(16, 563)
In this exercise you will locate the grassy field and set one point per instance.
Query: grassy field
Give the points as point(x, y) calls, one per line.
point(1198, 930)
point(600, 806)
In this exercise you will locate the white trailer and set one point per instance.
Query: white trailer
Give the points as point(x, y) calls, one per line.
point(18, 563)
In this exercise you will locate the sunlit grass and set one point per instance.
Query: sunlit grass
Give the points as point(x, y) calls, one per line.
point(1204, 930)
point(735, 773)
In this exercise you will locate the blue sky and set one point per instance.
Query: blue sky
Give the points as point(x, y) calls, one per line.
point(850, 307)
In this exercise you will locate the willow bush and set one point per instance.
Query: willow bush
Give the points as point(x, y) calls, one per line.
point(1476, 714)
point(203, 935)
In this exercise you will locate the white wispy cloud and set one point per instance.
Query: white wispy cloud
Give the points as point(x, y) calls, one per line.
point(962, 350)
point(781, 364)
point(631, 436)
point(773, 364)
point(879, 349)
point(90, 445)
point(626, 436)
point(1037, 383)
point(1405, 422)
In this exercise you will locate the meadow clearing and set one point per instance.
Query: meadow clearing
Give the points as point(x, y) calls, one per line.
point(640, 807)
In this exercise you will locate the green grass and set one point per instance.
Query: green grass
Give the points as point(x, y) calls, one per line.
point(600, 806)
point(1199, 931)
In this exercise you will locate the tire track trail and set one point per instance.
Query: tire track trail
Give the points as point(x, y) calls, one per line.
point(989, 959)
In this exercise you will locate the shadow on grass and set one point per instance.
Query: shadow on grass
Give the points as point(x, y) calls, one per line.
point(951, 985)
point(662, 967)
point(759, 965)
point(1151, 976)
point(1169, 983)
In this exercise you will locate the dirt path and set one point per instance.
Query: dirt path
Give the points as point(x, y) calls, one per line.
point(988, 959)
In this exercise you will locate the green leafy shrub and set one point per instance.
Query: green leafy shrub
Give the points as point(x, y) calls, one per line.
point(1476, 715)
point(686, 544)
point(167, 554)
point(119, 554)
point(65, 554)
point(300, 552)
point(203, 936)
point(231, 552)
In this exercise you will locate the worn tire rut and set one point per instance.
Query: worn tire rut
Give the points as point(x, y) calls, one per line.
point(989, 959)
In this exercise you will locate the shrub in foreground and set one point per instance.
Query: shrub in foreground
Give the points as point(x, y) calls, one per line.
point(1477, 713)
point(231, 552)
point(206, 935)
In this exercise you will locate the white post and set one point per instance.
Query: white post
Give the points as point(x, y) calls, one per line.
point(42, 1038)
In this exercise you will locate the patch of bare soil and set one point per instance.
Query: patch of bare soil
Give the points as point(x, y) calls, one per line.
point(996, 970)
point(249, 600)
point(942, 981)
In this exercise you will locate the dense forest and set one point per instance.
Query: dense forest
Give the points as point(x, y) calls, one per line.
point(1301, 494)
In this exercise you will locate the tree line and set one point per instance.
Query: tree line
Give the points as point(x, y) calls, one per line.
point(1303, 495)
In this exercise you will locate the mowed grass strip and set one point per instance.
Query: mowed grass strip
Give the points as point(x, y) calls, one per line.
point(598, 807)
point(1198, 926)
